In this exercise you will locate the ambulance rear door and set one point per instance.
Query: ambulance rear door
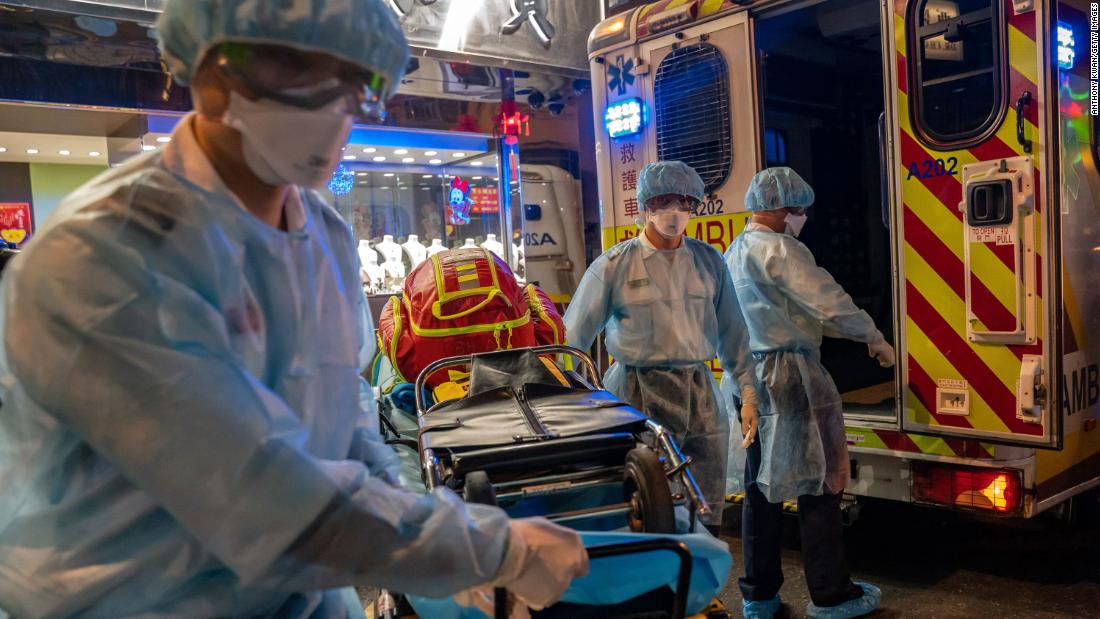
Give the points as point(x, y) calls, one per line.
point(971, 91)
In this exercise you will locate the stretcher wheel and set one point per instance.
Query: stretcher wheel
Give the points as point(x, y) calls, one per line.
point(478, 489)
point(647, 491)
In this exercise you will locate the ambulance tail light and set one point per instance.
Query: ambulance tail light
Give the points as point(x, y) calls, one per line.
point(996, 490)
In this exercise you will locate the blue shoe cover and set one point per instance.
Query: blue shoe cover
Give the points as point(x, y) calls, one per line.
point(760, 610)
point(858, 607)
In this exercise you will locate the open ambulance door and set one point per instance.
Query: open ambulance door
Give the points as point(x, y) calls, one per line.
point(977, 244)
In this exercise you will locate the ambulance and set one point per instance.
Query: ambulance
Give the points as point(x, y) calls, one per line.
point(953, 148)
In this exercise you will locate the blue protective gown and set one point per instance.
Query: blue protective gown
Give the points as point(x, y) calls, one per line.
point(789, 303)
point(184, 432)
point(666, 315)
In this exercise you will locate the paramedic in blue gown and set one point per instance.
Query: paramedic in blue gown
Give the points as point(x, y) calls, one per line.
point(801, 450)
point(667, 307)
point(185, 432)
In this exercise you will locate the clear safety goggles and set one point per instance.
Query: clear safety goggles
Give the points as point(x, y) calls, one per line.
point(686, 204)
point(282, 75)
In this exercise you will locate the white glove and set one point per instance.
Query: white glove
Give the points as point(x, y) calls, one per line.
point(883, 352)
point(482, 599)
point(541, 560)
point(381, 459)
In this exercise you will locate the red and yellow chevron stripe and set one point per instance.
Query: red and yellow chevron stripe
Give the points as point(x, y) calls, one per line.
point(933, 254)
point(892, 440)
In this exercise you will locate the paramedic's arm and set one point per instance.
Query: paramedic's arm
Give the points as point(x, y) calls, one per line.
point(733, 351)
point(367, 444)
point(733, 335)
point(140, 367)
point(589, 309)
point(812, 287)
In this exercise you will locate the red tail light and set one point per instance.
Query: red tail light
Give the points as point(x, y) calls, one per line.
point(998, 490)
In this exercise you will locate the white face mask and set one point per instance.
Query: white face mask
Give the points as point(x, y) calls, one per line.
point(795, 224)
point(670, 223)
point(285, 145)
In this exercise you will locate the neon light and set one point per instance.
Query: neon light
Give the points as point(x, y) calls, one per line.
point(624, 118)
point(1067, 47)
point(342, 182)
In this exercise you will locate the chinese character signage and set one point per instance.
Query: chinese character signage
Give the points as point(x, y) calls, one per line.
point(486, 200)
point(16, 223)
point(549, 33)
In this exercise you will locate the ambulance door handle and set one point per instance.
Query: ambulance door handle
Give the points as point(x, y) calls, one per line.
point(1021, 106)
point(883, 174)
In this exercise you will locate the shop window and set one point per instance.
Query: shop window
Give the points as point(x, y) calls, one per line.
point(956, 69)
point(692, 100)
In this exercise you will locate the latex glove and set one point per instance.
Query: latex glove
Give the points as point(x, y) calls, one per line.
point(882, 352)
point(381, 460)
point(750, 423)
point(482, 599)
point(541, 560)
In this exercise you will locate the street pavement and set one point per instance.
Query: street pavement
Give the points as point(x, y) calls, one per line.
point(943, 565)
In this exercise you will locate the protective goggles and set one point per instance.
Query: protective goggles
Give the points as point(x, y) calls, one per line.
point(275, 73)
point(686, 204)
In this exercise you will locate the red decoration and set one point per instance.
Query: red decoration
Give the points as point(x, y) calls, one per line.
point(16, 223)
point(511, 123)
point(461, 185)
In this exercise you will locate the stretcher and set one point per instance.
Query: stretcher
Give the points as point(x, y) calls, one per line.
point(523, 430)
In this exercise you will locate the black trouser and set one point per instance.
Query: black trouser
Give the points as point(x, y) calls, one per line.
point(822, 535)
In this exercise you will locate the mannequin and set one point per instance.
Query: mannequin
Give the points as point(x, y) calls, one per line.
point(415, 252)
point(492, 244)
point(470, 244)
point(436, 247)
point(519, 260)
point(392, 264)
point(371, 274)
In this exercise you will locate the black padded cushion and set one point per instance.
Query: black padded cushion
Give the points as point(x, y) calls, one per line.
point(495, 417)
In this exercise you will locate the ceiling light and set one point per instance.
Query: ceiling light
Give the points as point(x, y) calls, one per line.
point(362, 173)
point(478, 163)
point(427, 176)
point(148, 147)
point(350, 157)
point(32, 151)
point(379, 158)
point(477, 178)
point(164, 139)
point(94, 153)
point(369, 150)
point(430, 153)
point(408, 160)
point(435, 161)
point(64, 153)
point(401, 151)
point(457, 155)
point(388, 174)
point(3, 150)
